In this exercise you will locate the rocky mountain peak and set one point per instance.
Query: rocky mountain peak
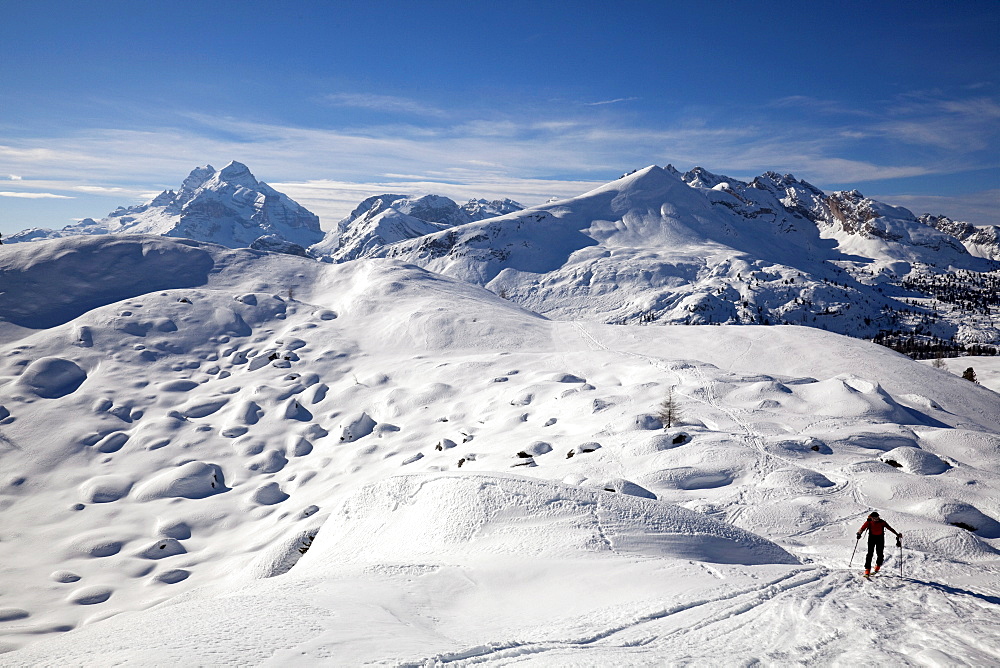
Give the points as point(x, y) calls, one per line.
point(197, 178)
point(699, 177)
point(238, 174)
point(481, 209)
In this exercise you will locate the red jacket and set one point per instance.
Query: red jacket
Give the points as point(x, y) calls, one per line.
point(877, 527)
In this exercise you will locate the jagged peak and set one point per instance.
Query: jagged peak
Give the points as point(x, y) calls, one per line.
point(854, 195)
point(236, 173)
point(701, 177)
point(377, 202)
point(197, 178)
point(788, 178)
point(776, 182)
point(430, 201)
point(163, 198)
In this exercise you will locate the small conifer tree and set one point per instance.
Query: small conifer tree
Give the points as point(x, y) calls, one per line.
point(970, 374)
point(669, 411)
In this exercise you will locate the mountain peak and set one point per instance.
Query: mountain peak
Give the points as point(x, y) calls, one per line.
point(649, 182)
point(701, 177)
point(236, 173)
point(197, 178)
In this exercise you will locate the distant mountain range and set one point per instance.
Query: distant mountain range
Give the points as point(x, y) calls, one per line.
point(656, 245)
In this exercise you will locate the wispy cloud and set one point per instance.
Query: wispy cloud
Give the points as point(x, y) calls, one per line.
point(963, 126)
point(819, 105)
point(14, 177)
point(382, 103)
point(104, 190)
point(499, 155)
point(158, 158)
point(617, 100)
point(33, 195)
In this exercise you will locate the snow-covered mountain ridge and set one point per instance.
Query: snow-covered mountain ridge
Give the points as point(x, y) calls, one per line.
point(265, 459)
point(227, 206)
point(655, 246)
point(698, 248)
point(387, 219)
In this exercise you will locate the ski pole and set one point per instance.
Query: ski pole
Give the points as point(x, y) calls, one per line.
point(899, 543)
point(853, 551)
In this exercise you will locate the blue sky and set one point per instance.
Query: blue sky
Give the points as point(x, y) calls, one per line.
point(106, 103)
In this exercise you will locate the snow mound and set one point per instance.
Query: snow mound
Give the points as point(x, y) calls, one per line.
point(194, 480)
point(106, 488)
point(52, 377)
point(960, 514)
point(797, 479)
point(915, 460)
point(454, 518)
point(950, 542)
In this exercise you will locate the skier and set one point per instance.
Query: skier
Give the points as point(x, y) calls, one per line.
point(876, 527)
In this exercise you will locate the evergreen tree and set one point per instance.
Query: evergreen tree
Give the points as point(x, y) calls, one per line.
point(669, 412)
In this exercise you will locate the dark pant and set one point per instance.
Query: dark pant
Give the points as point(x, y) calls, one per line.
point(875, 544)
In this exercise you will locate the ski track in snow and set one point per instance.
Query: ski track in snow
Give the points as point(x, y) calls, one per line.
point(734, 604)
point(893, 613)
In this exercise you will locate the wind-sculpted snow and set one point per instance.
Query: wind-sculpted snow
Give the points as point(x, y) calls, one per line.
point(454, 518)
point(52, 377)
point(367, 462)
point(53, 282)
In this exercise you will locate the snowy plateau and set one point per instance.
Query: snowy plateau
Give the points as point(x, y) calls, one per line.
point(437, 434)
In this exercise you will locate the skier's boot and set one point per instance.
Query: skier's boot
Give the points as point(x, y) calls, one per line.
point(867, 572)
point(878, 568)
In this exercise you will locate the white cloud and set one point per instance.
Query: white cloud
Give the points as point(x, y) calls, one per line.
point(385, 103)
point(104, 190)
point(14, 177)
point(614, 101)
point(495, 155)
point(33, 195)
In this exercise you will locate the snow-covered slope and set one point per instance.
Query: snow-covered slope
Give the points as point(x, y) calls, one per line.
point(979, 241)
point(260, 458)
point(656, 245)
point(699, 248)
point(865, 227)
point(227, 206)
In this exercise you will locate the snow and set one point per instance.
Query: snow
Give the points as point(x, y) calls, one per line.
point(226, 419)
point(987, 369)
point(658, 246)
point(227, 206)
point(387, 219)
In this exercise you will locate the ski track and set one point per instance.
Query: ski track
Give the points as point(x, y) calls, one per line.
point(796, 619)
point(742, 603)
